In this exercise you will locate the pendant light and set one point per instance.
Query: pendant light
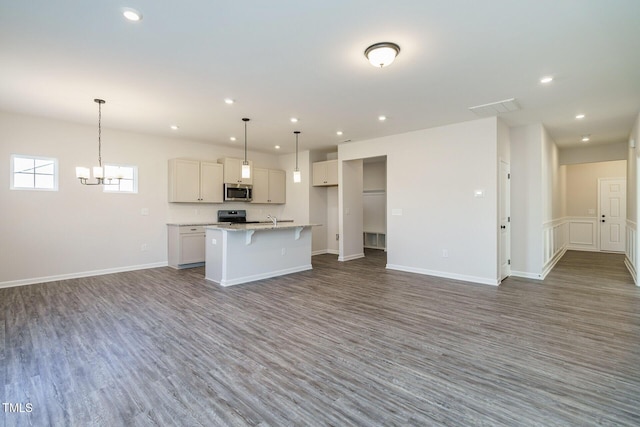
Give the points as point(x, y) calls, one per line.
point(246, 169)
point(296, 172)
point(82, 173)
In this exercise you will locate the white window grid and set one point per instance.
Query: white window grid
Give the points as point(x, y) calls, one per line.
point(33, 173)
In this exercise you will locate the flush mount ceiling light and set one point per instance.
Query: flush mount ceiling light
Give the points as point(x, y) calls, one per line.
point(339, 133)
point(174, 127)
point(233, 139)
point(246, 168)
point(382, 118)
point(229, 101)
point(132, 14)
point(294, 120)
point(580, 116)
point(382, 54)
point(82, 173)
point(296, 172)
point(546, 79)
point(586, 138)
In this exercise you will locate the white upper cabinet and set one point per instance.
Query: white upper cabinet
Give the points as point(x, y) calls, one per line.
point(193, 181)
point(325, 173)
point(269, 186)
point(233, 171)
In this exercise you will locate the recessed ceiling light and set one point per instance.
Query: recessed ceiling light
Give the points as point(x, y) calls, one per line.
point(233, 138)
point(131, 14)
point(229, 101)
point(580, 116)
point(277, 147)
point(585, 138)
point(294, 120)
point(339, 133)
point(382, 118)
point(175, 127)
point(546, 79)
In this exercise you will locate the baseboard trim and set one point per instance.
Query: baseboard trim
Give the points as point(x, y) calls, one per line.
point(526, 275)
point(253, 278)
point(350, 257)
point(325, 251)
point(631, 269)
point(453, 276)
point(552, 263)
point(47, 279)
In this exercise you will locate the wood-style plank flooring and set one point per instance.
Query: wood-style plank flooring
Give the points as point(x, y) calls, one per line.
point(343, 344)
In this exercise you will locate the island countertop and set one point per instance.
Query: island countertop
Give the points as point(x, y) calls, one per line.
point(259, 226)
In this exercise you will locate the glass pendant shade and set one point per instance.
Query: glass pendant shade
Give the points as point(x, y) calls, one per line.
point(246, 170)
point(82, 172)
point(296, 176)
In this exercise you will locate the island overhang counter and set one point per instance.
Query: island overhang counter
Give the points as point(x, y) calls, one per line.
point(241, 253)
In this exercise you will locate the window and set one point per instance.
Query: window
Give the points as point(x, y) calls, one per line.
point(128, 182)
point(34, 173)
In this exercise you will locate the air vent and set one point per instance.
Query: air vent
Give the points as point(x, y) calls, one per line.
point(495, 108)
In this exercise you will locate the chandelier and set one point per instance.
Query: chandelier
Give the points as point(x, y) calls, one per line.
point(82, 173)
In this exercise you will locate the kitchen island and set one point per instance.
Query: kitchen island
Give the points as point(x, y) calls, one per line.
point(240, 253)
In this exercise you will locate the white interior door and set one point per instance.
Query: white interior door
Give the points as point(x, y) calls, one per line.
point(613, 214)
point(505, 220)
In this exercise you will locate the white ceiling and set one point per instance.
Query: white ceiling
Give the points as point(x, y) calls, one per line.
point(288, 58)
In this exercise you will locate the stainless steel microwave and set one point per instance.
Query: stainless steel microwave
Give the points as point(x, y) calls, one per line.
point(238, 192)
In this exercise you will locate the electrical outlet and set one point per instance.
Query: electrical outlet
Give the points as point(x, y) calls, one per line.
point(144, 247)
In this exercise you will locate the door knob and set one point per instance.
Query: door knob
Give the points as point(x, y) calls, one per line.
point(603, 220)
point(602, 216)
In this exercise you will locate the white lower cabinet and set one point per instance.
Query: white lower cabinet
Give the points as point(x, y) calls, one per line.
point(186, 245)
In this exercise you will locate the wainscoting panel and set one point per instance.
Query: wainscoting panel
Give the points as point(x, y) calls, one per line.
point(555, 236)
point(583, 233)
point(630, 250)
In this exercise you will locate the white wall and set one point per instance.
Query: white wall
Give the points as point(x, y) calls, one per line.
point(593, 153)
point(632, 259)
point(350, 211)
point(431, 178)
point(582, 185)
point(526, 200)
point(80, 230)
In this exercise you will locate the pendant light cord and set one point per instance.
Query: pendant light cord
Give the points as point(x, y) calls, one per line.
point(100, 134)
point(296, 151)
point(245, 142)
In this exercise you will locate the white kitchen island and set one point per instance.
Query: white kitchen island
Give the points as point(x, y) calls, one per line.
point(240, 253)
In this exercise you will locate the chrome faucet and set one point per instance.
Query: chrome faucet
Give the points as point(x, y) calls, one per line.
point(274, 219)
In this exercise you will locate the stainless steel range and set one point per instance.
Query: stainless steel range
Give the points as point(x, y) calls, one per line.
point(234, 216)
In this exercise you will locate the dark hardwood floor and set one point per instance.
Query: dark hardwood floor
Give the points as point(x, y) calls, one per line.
point(342, 344)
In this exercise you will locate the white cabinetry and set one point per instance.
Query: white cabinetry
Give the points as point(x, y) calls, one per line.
point(233, 171)
point(269, 186)
point(374, 240)
point(193, 181)
point(186, 245)
point(325, 173)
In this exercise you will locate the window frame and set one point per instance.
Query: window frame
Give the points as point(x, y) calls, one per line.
point(106, 187)
point(12, 173)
